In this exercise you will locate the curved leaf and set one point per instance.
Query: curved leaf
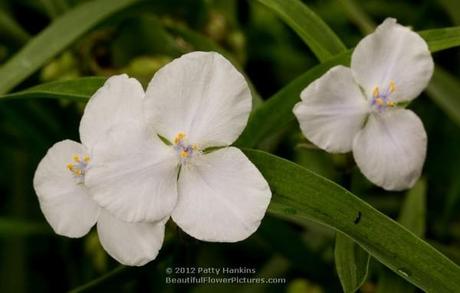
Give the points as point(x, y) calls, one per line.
point(351, 262)
point(412, 216)
point(442, 38)
point(15, 227)
point(444, 90)
point(55, 38)
point(76, 89)
point(310, 27)
point(299, 194)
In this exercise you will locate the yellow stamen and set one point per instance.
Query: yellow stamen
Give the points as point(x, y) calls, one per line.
point(379, 101)
point(376, 92)
point(392, 86)
point(76, 158)
point(70, 166)
point(184, 154)
point(180, 136)
point(391, 104)
point(86, 159)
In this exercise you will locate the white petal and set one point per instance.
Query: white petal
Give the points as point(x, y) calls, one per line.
point(222, 197)
point(332, 110)
point(202, 95)
point(134, 174)
point(64, 202)
point(118, 101)
point(391, 149)
point(132, 244)
point(393, 53)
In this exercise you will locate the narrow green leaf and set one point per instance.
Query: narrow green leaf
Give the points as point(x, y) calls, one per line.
point(412, 216)
point(299, 194)
point(310, 27)
point(452, 8)
point(358, 16)
point(77, 89)
point(11, 31)
point(442, 38)
point(276, 113)
point(55, 38)
point(15, 227)
point(351, 262)
point(444, 90)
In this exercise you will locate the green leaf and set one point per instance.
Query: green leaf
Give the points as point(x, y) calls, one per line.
point(444, 90)
point(412, 217)
point(77, 89)
point(452, 8)
point(310, 27)
point(276, 113)
point(55, 38)
point(351, 262)
point(11, 31)
point(442, 38)
point(299, 194)
point(358, 16)
point(15, 227)
point(413, 212)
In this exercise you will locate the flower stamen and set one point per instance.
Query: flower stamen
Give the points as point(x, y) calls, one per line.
point(79, 165)
point(184, 150)
point(381, 101)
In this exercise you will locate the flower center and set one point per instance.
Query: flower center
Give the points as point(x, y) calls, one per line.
point(382, 100)
point(185, 151)
point(79, 166)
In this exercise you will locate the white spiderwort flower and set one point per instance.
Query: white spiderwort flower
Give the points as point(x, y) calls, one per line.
point(59, 180)
point(358, 108)
point(195, 102)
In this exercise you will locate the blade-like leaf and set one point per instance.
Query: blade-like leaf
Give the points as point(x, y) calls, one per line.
point(15, 227)
point(276, 113)
point(413, 212)
point(442, 38)
point(444, 90)
point(300, 194)
point(358, 16)
point(76, 89)
point(309, 26)
point(55, 38)
point(412, 217)
point(351, 262)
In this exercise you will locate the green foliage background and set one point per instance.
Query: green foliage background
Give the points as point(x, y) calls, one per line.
point(49, 47)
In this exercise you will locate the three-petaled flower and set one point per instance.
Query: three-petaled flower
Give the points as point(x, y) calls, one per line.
point(358, 109)
point(60, 177)
point(196, 103)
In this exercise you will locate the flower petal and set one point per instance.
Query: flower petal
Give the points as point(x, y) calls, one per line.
point(222, 197)
point(391, 149)
point(64, 202)
point(132, 244)
point(202, 95)
point(393, 53)
point(118, 101)
point(134, 174)
point(332, 110)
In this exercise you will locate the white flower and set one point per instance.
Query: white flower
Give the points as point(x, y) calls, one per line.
point(359, 108)
point(195, 102)
point(60, 179)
